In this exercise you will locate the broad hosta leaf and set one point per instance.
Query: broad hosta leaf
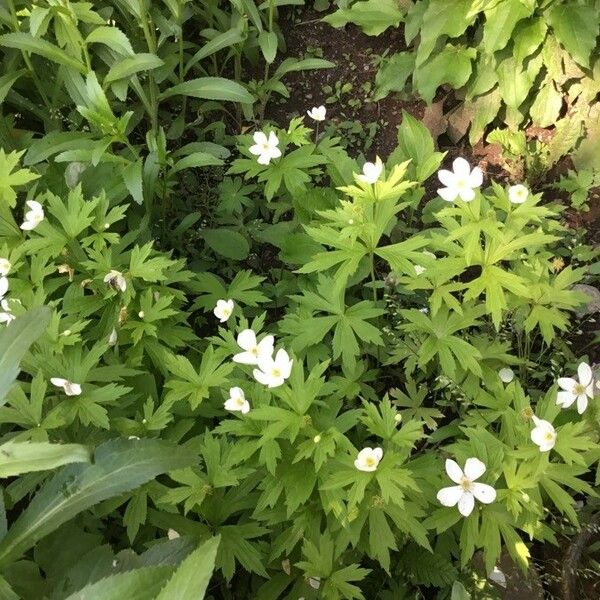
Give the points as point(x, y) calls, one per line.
point(500, 23)
point(131, 65)
point(191, 579)
point(15, 341)
point(211, 88)
point(527, 38)
point(372, 16)
point(576, 27)
point(25, 457)
point(545, 110)
point(28, 43)
point(137, 584)
point(119, 466)
point(392, 75)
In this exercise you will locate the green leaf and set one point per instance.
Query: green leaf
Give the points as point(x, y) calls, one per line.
point(112, 37)
point(219, 42)
point(132, 177)
point(211, 88)
point(451, 65)
point(576, 27)
point(25, 457)
point(191, 579)
point(131, 65)
point(546, 107)
point(500, 23)
point(527, 38)
point(393, 74)
point(195, 160)
point(137, 584)
point(119, 466)
point(7, 80)
point(372, 16)
point(15, 341)
point(28, 43)
point(267, 40)
point(227, 242)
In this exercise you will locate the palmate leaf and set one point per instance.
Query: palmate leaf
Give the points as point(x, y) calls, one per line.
point(119, 466)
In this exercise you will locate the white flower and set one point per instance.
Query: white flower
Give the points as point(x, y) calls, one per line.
point(3, 286)
point(517, 194)
point(543, 434)
point(113, 337)
point(254, 350)
point(460, 182)
point(172, 534)
point(371, 171)
point(368, 459)
point(266, 148)
point(237, 401)
point(70, 388)
point(467, 490)
point(116, 280)
point(273, 373)
point(223, 310)
point(33, 217)
point(506, 375)
point(6, 316)
point(317, 113)
point(4, 267)
point(573, 390)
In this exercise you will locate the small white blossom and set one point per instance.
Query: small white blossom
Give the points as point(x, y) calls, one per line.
point(237, 401)
point(273, 372)
point(223, 310)
point(573, 390)
point(70, 388)
point(368, 459)
point(253, 350)
point(33, 217)
point(113, 337)
point(6, 316)
point(461, 182)
point(266, 148)
point(506, 374)
point(517, 194)
point(543, 434)
point(467, 490)
point(317, 113)
point(5, 267)
point(116, 280)
point(172, 534)
point(371, 171)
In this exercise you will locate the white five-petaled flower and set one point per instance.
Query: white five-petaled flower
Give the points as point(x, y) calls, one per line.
point(5, 267)
point(317, 113)
point(368, 459)
point(506, 375)
point(517, 194)
point(237, 401)
point(6, 316)
point(116, 280)
point(33, 217)
point(543, 434)
point(273, 372)
point(70, 388)
point(266, 148)
point(253, 350)
point(372, 171)
point(223, 310)
point(460, 182)
point(573, 390)
point(467, 489)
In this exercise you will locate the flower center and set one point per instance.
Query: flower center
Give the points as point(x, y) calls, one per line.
point(254, 351)
point(265, 147)
point(465, 484)
point(548, 436)
point(461, 183)
point(239, 401)
point(579, 389)
point(370, 461)
point(276, 373)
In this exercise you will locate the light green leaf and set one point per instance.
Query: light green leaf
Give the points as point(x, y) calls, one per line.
point(7, 80)
point(267, 40)
point(219, 42)
point(132, 177)
point(372, 16)
point(112, 37)
point(227, 242)
point(15, 341)
point(191, 579)
point(546, 107)
point(393, 74)
point(28, 43)
point(131, 65)
point(25, 457)
point(500, 23)
point(211, 88)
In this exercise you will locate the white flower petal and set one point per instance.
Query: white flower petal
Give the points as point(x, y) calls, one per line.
point(260, 138)
point(565, 399)
point(244, 358)
point(58, 381)
point(3, 286)
point(567, 383)
point(483, 492)
point(246, 339)
point(466, 504)
point(461, 167)
point(448, 178)
point(448, 194)
point(466, 194)
point(474, 469)
point(454, 471)
point(506, 374)
point(582, 402)
point(585, 374)
point(449, 496)
point(476, 177)
point(378, 453)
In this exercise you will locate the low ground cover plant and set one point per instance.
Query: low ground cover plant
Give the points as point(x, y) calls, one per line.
point(242, 363)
